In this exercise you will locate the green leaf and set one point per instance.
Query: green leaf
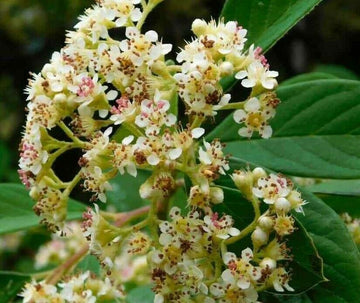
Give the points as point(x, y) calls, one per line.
point(16, 209)
point(338, 187)
point(269, 20)
point(90, 263)
point(307, 265)
point(342, 204)
point(340, 255)
point(141, 294)
point(341, 195)
point(11, 284)
point(125, 194)
point(278, 298)
point(337, 70)
point(316, 132)
point(308, 77)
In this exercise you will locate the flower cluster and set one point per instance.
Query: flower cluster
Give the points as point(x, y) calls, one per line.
point(218, 51)
point(178, 270)
point(116, 103)
point(76, 289)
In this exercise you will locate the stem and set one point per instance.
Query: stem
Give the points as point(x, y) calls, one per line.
point(71, 135)
point(197, 122)
point(235, 105)
point(249, 228)
point(67, 265)
point(132, 128)
point(147, 8)
point(174, 68)
point(72, 184)
point(123, 218)
point(152, 220)
point(40, 275)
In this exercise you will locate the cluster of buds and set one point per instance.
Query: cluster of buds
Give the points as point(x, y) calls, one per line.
point(116, 102)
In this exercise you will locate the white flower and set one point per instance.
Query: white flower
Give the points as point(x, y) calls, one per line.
point(220, 227)
point(272, 188)
point(257, 74)
point(255, 116)
point(240, 271)
point(143, 48)
point(154, 114)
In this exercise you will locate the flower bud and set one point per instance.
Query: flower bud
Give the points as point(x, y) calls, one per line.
point(259, 237)
point(258, 173)
point(268, 263)
point(282, 205)
point(199, 27)
point(226, 68)
point(216, 195)
point(266, 223)
point(244, 181)
point(295, 199)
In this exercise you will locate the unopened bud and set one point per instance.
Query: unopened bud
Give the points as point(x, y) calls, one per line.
point(258, 173)
point(216, 195)
point(226, 68)
point(282, 205)
point(244, 181)
point(266, 223)
point(268, 263)
point(259, 237)
point(199, 27)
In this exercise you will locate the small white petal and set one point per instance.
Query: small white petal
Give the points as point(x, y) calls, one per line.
point(248, 83)
point(159, 298)
point(234, 231)
point(103, 113)
point(197, 132)
point(108, 131)
point(245, 132)
point(241, 74)
point(127, 140)
point(175, 153)
point(252, 105)
point(151, 36)
point(111, 95)
point(267, 132)
point(239, 116)
point(153, 159)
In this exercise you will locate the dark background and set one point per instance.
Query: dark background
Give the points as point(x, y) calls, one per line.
point(31, 30)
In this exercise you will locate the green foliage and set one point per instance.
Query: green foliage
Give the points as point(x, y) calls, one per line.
point(337, 71)
point(125, 194)
point(340, 195)
point(90, 263)
point(316, 131)
point(16, 209)
point(308, 77)
point(11, 284)
point(141, 294)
